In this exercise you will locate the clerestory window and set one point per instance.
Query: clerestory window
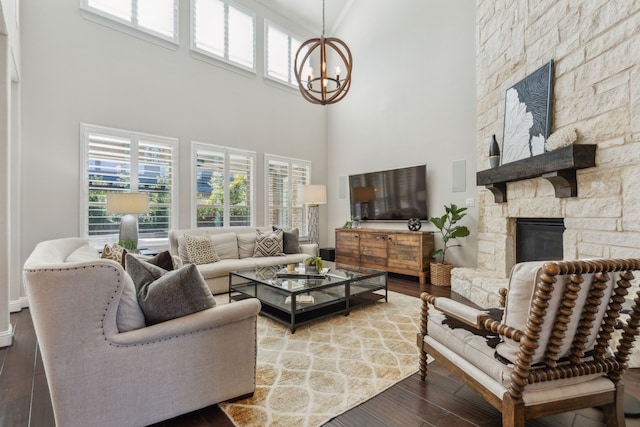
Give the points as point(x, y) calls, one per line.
point(281, 48)
point(224, 31)
point(158, 18)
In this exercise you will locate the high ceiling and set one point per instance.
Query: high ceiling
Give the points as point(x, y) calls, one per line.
point(308, 13)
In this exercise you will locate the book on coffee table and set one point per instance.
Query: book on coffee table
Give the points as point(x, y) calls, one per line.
point(301, 299)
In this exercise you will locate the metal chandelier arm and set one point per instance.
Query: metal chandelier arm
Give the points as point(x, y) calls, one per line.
point(322, 92)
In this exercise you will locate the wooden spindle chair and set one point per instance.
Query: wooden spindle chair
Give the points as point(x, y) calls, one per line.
point(551, 350)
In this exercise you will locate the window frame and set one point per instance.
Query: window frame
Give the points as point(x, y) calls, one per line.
point(293, 202)
point(224, 60)
point(102, 17)
point(292, 83)
point(135, 137)
point(227, 151)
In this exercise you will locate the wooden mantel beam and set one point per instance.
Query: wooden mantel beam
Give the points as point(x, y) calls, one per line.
point(558, 167)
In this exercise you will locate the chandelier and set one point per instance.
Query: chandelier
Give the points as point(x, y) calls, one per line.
point(323, 89)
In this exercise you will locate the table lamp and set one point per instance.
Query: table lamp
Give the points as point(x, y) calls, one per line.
point(129, 204)
point(312, 196)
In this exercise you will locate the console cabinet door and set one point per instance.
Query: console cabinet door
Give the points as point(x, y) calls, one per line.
point(348, 247)
point(373, 249)
point(404, 251)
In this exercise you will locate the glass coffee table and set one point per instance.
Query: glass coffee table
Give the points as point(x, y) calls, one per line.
point(297, 298)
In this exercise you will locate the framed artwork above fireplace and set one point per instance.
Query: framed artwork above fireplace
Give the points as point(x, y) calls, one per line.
point(527, 115)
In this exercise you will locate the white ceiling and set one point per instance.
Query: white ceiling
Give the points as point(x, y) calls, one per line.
point(308, 13)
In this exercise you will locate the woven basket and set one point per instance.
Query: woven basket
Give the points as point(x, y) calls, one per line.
point(441, 274)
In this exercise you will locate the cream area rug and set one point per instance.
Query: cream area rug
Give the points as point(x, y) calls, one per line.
point(331, 365)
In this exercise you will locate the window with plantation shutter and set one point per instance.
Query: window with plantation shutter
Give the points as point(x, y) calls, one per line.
point(283, 181)
point(224, 31)
point(158, 18)
point(281, 48)
point(121, 161)
point(224, 186)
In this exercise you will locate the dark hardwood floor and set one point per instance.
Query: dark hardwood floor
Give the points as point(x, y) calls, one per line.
point(440, 401)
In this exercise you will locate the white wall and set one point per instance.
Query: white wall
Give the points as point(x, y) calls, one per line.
point(75, 70)
point(412, 101)
point(10, 286)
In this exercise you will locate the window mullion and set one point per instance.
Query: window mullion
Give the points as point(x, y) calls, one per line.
point(289, 67)
point(134, 173)
point(134, 13)
point(226, 31)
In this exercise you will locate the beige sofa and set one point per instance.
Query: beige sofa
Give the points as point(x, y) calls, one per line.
point(238, 245)
point(99, 375)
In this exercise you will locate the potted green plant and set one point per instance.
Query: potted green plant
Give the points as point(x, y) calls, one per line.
point(448, 227)
point(355, 221)
point(314, 262)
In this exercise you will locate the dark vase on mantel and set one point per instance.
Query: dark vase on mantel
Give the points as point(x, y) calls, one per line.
point(494, 153)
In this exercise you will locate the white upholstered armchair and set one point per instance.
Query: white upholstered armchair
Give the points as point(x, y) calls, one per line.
point(99, 375)
point(551, 350)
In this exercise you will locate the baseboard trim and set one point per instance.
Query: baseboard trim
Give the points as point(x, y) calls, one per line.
point(6, 337)
point(18, 305)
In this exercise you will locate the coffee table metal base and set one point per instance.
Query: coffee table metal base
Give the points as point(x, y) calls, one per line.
point(335, 295)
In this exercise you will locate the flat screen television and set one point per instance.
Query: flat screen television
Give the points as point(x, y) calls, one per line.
point(390, 195)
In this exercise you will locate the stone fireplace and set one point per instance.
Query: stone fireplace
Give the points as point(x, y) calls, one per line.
point(596, 90)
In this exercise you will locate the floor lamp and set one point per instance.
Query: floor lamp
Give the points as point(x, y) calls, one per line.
point(129, 204)
point(312, 196)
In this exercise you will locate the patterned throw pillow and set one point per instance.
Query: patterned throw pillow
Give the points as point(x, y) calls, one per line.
point(268, 243)
point(200, 249)
point(115, 252)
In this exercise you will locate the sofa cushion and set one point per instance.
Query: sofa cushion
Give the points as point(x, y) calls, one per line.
point(225, 266)
point(290, 240)
point(268, 244)
point(226, 245)
point(115, 252)
point(165, 295)
point(522, 282)
point(246, 245)
point(182, 249)
point(200, 249)
point(280, 260)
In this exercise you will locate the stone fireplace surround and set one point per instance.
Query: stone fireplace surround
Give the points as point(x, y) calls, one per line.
point(512, 196)
point(596, 90)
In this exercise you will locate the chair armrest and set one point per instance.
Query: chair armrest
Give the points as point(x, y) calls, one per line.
point(462, 312)
point(478, 319)
point(207, 319)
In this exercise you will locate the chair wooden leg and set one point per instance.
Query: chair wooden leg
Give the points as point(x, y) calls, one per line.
point(423, 365)
point(512, 412)
point(614, 412)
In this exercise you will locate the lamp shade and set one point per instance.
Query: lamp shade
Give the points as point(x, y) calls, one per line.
point(314, 194)
point(127, 203)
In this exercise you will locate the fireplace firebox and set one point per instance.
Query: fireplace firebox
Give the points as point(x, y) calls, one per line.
point(539, 239)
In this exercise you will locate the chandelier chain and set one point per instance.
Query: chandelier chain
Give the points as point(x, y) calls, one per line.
point(322, 18)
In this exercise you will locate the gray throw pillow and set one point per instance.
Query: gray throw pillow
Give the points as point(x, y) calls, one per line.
point(165, 295)
point(290, 240)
